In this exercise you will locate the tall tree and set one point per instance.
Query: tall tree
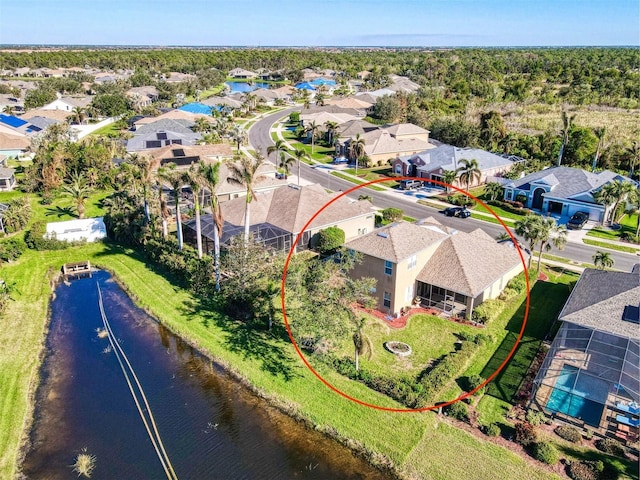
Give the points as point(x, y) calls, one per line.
point(613, 193)
point(174, 178)
point(493, 190)
point(246, 174)
point(448, 177)
point(600, 133)
point(79, 191)
point(469, 170)
point(299, 154)
point(192, 178)
point(361, 342)
point(285, 164)
point(312, 131)
point(239, 135)
point(603, 260)
point(567, 125)
point(332, 128)
point(356, 149)
point(542, 231)
point(210, 175)
point(279, 146)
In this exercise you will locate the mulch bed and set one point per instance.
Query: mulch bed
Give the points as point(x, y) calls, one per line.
point(401, 321)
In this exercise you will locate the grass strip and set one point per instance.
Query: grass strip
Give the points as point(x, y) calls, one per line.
point(356, 181)
point(611, 246)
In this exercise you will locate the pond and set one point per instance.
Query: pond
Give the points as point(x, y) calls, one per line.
point(245, 87)
point(211, 426)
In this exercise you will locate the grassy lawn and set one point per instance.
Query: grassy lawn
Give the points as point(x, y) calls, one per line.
point(108, 130)
point(628, 225)
point(430, 338)
point(320, 153)
point(498, 211)
point(621, 248)
point(356, 181)
point(375, 173)
point(420, 444)
point(491, 219)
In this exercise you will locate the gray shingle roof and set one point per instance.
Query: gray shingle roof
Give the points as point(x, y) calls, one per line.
point(397, 241)
point(448, 157)
point(598, 301)
point(569, 182)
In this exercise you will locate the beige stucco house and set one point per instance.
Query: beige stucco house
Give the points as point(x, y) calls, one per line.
point(449, 270)
point(278, 216)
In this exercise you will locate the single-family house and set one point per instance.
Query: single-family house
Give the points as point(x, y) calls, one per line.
point(433, 163)
point(278, 216)
point(563, 191)
point(160, 134)
point(184, 156)
point(448, 270)
point(241, 73)
point(13, 145)
point(142, 96)
point(7, 175)
point(590, 376)
point(68, 104)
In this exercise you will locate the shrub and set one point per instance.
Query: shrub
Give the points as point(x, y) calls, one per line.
point(585, 470)
point(459, 411)
point(330, 239)
point(294, 117)
point(534, 417)
point(392, 214)
point(34, 239)
point(461, 200)
point(571, 434)
point(509, 206)
point(526, 434)
point(546, 453)
point(11, 249)
point(17, 215)
point(492, 430)
point(473, 382)
point(487, 311)
point(609, 445)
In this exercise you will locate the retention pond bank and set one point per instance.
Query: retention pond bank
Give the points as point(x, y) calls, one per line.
point(211, 427)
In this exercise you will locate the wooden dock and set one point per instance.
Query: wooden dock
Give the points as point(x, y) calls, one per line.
point(77, 269)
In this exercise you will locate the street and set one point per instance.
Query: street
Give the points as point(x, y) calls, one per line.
point(260, 138)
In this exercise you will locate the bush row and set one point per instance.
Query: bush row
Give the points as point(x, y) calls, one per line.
point(35, 239)
point(510, 206)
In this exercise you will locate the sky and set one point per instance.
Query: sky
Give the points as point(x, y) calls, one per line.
point(402, 23)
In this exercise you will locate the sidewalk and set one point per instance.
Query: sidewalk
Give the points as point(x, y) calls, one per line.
point(573, 236)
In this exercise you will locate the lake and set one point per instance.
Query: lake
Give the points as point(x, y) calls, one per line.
point(211, 426)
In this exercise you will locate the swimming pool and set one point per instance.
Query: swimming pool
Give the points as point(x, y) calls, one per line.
point(246, 87)
point(565, 398)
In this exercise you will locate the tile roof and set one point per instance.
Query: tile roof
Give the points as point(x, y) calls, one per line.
point(290, 208)
point(14, 142)
point(397, 241)
point(468, 263)
point(405, 129)
point(448, 157)
point(598, 301)
point(175, 115)
point(60, 115)
point(378, 142)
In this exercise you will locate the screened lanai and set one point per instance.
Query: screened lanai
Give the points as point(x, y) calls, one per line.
point(591, 374)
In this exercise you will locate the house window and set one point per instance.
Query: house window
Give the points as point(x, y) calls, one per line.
point(411, 263)
point(386, 300)
point(388, 267)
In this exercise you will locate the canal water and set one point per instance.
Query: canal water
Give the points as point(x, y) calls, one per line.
point(211, 427)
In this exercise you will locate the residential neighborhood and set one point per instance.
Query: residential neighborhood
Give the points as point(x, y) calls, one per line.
point(355, 241)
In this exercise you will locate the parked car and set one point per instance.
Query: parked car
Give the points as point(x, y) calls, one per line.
point(577, 221)
point(410, 184)
point(460, 212)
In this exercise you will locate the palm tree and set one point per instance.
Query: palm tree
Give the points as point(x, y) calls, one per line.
point(603, 260)
point(567, 125)
point(246, 174)
point(542, 231)
point(469, 170)
point(279, 146)
point(238, 134)
point(634, 153)
point(77, 116)
point(312, 129)
point(493, 190)
point(79, 191)
point(600, 133)
point(202, 125)
point(361, 342)
point(210, 175)
point(142, 173)
point(174, 179)
point(299, 154)
point(356, 149)
point(285, 163)
point(164, 211)
point(332, 128)
point(448, 177)
point(613, 193)
point(192, 178)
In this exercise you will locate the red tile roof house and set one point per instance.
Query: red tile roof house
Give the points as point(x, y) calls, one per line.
point(448, 270)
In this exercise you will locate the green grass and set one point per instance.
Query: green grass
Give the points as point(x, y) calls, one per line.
point(110, 130)
point(490, 219)
point(356, 181)
point(611, 246)
point(498, 211)
point(418, 443)
point(628, 225)
point(375, 173)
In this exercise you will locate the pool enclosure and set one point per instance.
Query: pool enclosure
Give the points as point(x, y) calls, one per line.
point(590, 378)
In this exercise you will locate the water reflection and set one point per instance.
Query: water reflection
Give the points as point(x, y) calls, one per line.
point(211, 426)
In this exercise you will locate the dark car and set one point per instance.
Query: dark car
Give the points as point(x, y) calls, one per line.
point(460, 212)
point(577, 221)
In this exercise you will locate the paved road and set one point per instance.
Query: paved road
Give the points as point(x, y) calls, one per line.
point(260, 138)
